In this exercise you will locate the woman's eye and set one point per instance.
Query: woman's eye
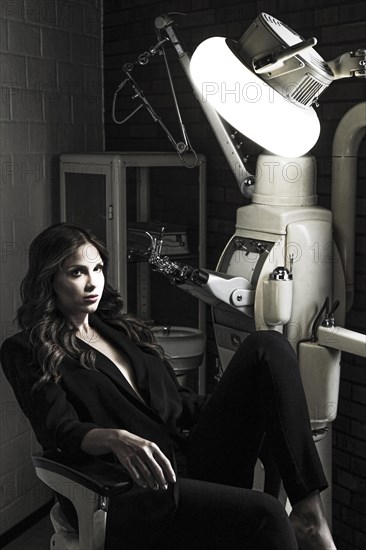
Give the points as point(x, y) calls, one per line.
point(75, 273)
point(99, 268)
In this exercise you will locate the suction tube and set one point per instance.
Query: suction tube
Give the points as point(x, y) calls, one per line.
point(347, 138)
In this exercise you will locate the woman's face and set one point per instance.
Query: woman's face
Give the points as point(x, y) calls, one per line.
point(79, 283)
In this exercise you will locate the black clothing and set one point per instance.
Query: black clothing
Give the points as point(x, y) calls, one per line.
point(260, 392)
point(219, 517)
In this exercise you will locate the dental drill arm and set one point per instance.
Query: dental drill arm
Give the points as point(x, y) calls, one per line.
point(220, 287)
point(209, 286)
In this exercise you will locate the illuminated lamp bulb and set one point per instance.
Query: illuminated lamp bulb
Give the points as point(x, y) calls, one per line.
point(250, 105)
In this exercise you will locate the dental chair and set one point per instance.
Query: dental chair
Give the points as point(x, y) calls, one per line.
point(88, 485)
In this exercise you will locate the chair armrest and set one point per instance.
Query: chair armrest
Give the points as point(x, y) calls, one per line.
point(103, 478)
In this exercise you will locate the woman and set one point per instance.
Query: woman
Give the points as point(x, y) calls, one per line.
point(92, 381)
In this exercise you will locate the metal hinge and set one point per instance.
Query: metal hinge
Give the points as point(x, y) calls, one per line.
point(110, 212)
point(103, 503)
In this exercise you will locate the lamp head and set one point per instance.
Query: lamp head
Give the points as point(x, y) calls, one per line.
point(264, 85)
point(285, 60)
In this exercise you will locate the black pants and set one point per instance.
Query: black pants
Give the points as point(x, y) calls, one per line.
point(260, 393)
point(211, 516)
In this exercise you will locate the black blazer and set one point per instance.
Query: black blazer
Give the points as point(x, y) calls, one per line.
point(61, 414)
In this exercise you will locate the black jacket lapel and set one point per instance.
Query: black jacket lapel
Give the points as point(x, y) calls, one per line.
point(137, 359)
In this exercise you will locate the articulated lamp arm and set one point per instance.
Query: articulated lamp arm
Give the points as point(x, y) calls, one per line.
point(224, 134)
point(349, 64)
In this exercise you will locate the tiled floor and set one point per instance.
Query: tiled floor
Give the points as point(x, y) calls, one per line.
point(36, 537)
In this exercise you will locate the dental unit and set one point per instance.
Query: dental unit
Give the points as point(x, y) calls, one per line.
point(290, 264)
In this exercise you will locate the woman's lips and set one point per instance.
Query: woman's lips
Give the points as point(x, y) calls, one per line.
point(92, 298)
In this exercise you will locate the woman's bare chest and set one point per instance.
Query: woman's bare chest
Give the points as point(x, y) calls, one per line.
point(114, 355)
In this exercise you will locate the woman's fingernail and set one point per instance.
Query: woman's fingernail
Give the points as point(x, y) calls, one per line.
point(165, 487)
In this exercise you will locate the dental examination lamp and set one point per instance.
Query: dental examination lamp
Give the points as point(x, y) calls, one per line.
point(281, 269)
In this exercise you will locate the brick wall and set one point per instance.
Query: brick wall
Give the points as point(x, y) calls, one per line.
point(339, 27)
point(51, 102)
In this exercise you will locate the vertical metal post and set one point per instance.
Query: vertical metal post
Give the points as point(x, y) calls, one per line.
point(143, 268)
point(202, 308)
point(119, 229)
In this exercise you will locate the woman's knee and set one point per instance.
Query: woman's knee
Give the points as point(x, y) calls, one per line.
point(260, 353)
point(275, 530)
point(266, 338)
point(267, 344)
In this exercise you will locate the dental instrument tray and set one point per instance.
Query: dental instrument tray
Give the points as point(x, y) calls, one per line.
point(138, 239)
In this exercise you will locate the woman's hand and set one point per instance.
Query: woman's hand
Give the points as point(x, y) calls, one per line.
point(143, 459)
point(145, 462)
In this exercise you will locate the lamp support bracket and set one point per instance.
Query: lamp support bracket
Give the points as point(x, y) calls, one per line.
point(349, 64)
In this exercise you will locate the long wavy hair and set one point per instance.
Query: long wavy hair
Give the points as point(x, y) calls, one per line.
point(51, 335)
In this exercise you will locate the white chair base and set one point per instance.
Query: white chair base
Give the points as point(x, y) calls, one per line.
point(64, 537)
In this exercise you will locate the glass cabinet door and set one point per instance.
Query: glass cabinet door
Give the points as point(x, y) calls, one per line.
point(85, 202)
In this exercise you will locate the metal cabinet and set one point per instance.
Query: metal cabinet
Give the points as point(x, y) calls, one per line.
point(103, 191)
